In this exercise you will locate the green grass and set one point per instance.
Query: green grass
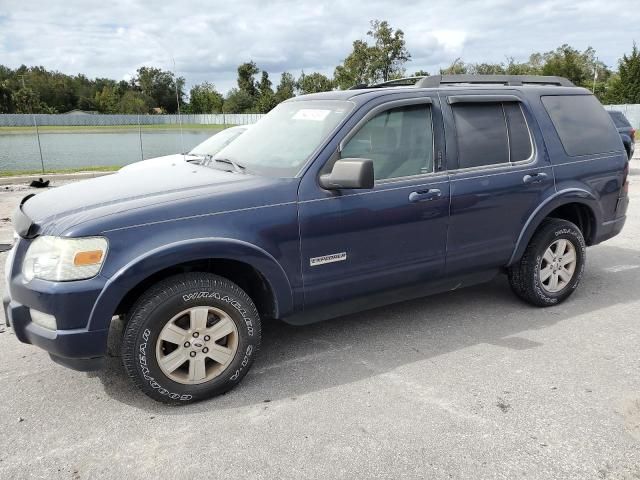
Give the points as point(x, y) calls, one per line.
point(15, 173)
point(108, 128)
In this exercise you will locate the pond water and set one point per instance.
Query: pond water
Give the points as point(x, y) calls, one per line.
point(19, 151)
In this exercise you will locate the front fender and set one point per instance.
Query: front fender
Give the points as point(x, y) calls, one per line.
point(154, 261)
point(562, 197)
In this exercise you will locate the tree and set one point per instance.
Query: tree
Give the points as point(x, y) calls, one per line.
point(355, 68)
point(570, 63)
point(134, 102)
point(26, 101)
point(531, 67)
point(6, 98)
point(238, 101)
point(266, 97)
point(457, 67)
point(106, 100)
point(286, 87)
point(421, 73)
point(313, 83)
point(160, 86)
point(382, 61)
point(389, 54)
point(204, 98)
point(486, 69)
point(625, 87)
point(246, 80)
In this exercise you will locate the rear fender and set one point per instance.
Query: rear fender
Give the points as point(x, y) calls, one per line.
point(562, 197)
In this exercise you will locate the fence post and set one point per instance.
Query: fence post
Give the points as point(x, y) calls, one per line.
point(140, 136)
point(35, 124)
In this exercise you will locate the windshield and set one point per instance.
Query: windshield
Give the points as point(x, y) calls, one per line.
point(281, 142)
point(214, 144)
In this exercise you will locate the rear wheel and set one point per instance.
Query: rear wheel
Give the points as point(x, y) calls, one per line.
point(552, 265)
point(190, 337)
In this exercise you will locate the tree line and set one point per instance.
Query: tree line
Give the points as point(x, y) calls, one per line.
point(382, 56)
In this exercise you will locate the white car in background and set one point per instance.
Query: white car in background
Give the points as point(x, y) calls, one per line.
point(202, 151)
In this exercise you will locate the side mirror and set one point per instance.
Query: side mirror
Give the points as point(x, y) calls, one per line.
point(349, 173)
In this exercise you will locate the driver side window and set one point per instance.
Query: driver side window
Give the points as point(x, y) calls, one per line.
point(398, 140)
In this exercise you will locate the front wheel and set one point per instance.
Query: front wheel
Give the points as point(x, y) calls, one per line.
point(190, 337)
point(552, 265)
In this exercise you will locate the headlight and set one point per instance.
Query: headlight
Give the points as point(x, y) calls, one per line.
point(62, 259)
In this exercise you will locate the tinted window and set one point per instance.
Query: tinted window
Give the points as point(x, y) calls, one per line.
point(399, 141)
point(619, 119)
point(584, 127)
point(519, 136)
point(491, 134)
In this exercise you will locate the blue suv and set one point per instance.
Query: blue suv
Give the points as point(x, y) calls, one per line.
point(332, 203)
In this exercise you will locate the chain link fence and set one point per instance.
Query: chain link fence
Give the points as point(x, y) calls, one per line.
point(84, 141)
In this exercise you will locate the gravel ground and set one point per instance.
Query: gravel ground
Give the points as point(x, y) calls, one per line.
point(468, 384)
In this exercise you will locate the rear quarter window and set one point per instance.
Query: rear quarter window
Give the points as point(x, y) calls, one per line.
point(584, 127)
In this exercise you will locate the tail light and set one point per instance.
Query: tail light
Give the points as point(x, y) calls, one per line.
point(625, 180)
point(633, 135)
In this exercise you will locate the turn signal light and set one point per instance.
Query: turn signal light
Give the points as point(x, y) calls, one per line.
point(88, 258)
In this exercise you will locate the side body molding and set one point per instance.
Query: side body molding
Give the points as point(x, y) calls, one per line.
point(154, 261)
point(562, 197)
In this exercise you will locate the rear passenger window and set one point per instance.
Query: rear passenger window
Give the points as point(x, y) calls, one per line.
point(491, 134)
point(584, 127)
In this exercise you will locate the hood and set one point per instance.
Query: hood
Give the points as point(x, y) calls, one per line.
point(162, 189)
point(151, 163)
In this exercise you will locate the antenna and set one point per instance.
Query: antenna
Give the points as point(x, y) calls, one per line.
point(175, 84)
point(157, 41)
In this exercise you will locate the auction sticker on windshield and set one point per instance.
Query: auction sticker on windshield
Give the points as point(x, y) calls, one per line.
point(311, 114)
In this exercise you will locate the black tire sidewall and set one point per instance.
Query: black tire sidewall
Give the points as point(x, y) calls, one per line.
point(555, 231)
point(152, 314)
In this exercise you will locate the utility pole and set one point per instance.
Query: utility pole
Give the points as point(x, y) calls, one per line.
point(595, 74)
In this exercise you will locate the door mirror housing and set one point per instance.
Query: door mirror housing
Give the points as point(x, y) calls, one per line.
point(349, 173)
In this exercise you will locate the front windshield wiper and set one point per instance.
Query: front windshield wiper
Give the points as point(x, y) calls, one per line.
point(236, 166)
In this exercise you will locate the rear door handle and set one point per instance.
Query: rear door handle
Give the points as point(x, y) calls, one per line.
point(534, 178)
point(425, 195)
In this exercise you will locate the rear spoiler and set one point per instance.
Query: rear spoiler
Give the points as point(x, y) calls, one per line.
point(22, 224)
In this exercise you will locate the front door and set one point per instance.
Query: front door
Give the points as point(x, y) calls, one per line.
point(360, 242)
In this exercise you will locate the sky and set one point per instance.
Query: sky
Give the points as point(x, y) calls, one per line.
point(207, 40)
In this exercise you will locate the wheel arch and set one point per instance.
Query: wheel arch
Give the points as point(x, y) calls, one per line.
point(247, 265)
point(576, 205)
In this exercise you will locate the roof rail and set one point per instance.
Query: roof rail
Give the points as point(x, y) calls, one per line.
point(511, 80)
point(398, 82)
point(440, 80)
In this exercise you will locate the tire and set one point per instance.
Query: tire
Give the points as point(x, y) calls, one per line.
point(532, 278)
point(180, 318)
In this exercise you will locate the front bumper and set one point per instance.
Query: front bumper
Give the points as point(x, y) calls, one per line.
point(80, 349)
point(77, 343)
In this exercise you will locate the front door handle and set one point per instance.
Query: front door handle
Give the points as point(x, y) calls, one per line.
point(425, 195)
point(534, 178)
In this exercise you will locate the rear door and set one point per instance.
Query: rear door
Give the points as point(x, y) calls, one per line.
point(499, 173)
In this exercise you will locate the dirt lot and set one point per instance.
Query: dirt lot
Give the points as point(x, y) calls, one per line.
point(470, 384)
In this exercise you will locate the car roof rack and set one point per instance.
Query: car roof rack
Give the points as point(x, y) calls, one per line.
point(510, 80)
point(441, 80)
point(398, 82)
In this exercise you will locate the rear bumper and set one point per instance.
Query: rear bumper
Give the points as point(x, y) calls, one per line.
point(79, 349)
point(610, 229)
